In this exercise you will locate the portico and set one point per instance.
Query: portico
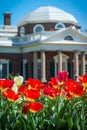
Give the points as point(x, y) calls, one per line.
point(60, 61)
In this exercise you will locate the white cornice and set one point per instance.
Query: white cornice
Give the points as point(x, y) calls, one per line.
point(42, 46)
point(54, 47)
point(10, 49)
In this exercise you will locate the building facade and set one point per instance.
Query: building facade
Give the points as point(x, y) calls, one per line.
point(44, 42)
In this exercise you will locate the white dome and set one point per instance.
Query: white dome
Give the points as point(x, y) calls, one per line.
point(48, 14)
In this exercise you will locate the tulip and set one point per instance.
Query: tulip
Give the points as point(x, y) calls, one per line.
point(18, 80)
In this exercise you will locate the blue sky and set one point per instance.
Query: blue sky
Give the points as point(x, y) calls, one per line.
point(20, 8)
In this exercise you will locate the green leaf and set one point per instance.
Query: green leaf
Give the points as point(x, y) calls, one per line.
point(70, 123)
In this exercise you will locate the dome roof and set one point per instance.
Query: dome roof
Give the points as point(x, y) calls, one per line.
point(48, 14)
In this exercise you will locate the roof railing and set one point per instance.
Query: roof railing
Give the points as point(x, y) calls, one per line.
point(5, 27)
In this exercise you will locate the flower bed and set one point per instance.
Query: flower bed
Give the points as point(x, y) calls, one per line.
point(59, 104)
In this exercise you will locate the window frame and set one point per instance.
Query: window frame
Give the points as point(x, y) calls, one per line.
point(39, 69)
point(69, 38)
point(38, 25)
point(3, 61)
point(24, 68)
point(22, 31)
point(63, 26)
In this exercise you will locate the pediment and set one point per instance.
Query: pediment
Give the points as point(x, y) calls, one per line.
point(60, 36)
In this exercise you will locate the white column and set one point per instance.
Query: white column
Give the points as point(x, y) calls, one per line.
point(43, 66)
point(35, 65)
point(83, 63)
point(59, 60)
point(76, 62)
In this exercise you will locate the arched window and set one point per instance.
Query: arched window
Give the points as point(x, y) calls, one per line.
point(59, 26)
point(68, 38)
point(38, 28)
point(22, 31)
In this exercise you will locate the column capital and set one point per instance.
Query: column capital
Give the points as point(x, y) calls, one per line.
point(76, 51)
point(42, 50)
point(59, 51)
point(82, 52)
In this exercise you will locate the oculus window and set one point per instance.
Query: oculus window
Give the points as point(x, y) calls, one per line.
point(38, 28)
point(59, 26)
point(22, 31)
point(68, 38)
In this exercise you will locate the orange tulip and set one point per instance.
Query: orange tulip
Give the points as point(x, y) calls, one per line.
point(53, 83)
point(65, 93)
point(1, 84)
point(83, 80)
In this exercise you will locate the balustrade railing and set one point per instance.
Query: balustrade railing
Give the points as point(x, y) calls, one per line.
point(5, 27)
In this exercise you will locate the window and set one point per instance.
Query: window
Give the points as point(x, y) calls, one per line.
point(25, 69)
point(22, 31)
point(59, 26)
point(4, 69)
point(52, 69)
point(86, 67)
point(39, 69)
point(68, 38)
point(64, 63)
point(38, 28)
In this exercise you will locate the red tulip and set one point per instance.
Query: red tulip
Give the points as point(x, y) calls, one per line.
point(33, 107)
point(25, 108)
point(34, 84)
point(62, 77)
point(6, 83)
point(31, 95)
point(74, 88)
point(10, 95)
point(51, 92)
